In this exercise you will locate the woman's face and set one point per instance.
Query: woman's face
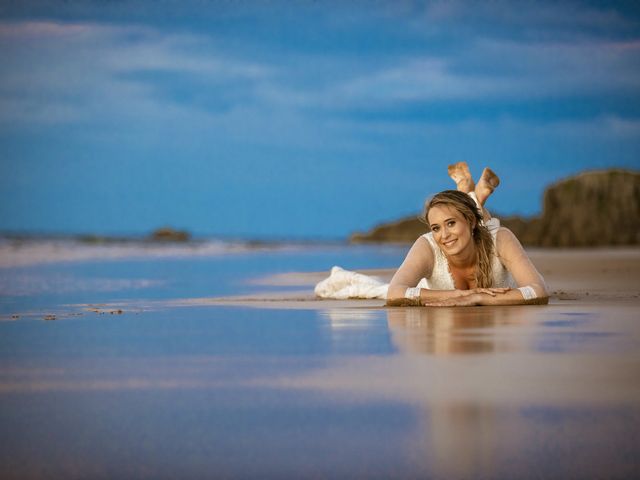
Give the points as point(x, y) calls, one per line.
point(450, 229)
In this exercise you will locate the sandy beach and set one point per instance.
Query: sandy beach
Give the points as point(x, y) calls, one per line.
point(578, 275)
point(227, 366)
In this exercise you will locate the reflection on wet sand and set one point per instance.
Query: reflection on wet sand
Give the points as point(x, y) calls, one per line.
point(348, 317)
point(464, 431)
point(451, 331)
point(507, 392)
point(462, 439)
point(472, 438)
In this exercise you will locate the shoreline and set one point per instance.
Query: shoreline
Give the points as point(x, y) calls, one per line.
point(576, 277)
point(573, 276)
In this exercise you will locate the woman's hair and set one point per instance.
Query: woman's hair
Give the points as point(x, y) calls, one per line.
point(482, 239)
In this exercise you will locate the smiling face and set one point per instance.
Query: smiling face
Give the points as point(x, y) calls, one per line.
point(451, 230)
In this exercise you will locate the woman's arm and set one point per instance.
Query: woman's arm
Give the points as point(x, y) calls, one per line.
point(418, 264)
point(531, 290)
point(509, 297)
point(517, 262)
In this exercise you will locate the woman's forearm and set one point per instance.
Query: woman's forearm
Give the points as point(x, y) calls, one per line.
point(490, 296)
point(534, 294)
point(396, 296)
point(514, 297)
point(427, 295)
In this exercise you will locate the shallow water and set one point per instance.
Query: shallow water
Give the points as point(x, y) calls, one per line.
point(228, 392)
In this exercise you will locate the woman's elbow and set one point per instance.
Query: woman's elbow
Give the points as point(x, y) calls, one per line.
point(534, 293)
point(395, 296)
point(542, 294)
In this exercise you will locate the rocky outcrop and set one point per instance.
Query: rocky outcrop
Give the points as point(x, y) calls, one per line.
point(594, 208)
point(590, 209)
point(167, 234)
point(405, 230)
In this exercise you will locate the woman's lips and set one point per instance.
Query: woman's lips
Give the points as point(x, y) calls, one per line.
point(449, 243)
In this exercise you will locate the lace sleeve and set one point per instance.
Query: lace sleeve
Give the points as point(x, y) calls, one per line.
point(417, 264)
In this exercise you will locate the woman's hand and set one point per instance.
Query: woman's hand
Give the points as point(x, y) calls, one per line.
point(488, 291)
point(468, 298)
point(462, 301)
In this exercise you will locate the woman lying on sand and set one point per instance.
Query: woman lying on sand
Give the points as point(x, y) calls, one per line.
point(467, 258)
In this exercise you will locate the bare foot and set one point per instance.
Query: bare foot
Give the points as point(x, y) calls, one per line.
point(488, 182)
point(460, 174)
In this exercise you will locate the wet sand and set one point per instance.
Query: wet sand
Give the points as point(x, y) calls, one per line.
point(280, 385)
point(586, 276)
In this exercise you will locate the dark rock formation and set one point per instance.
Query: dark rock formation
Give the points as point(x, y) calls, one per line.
point(405, 230)
point(591, 209)
point(167, 234)
point(594, 208)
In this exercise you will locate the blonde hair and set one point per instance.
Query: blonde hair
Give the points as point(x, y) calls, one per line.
point(482, 238)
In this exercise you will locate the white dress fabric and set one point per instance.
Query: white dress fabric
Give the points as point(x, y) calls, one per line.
point(342, 284)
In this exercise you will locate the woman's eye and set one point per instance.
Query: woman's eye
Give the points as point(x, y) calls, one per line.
point(451, 224)
point(435, 229)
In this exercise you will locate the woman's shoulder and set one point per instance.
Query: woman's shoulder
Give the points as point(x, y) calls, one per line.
point(422, 250)
point(427, 241)
point(427, 238)
point(417, 263)
point(503, 234)
point(507, 242)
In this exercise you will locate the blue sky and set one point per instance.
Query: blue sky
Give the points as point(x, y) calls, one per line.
point(304, 119)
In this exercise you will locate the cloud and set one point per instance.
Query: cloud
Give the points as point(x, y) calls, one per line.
point(500, 70)
point(417, 79)
point(139, 83)
point(95, 72)
point(39, 30)
point(82, 72)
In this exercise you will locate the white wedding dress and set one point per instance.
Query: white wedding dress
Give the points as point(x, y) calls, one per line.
point(342, 284)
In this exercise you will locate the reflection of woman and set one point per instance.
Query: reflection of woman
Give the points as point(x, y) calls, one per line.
point(467, 258)
point(449, 331)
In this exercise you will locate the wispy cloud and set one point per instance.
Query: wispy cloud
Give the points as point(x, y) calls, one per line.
point(503, 70)
point(60, 72)
point(65, 72)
